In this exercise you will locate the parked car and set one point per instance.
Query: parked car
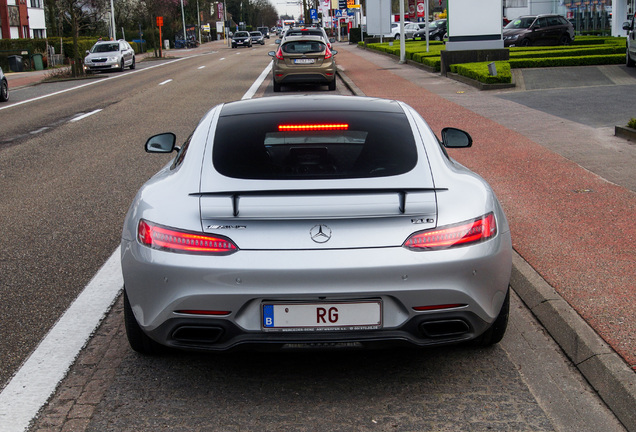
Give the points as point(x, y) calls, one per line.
point(411, 28)
point(303, 60)
point(109, 55)
point(264, 30)
point(329, 222)
point(257, 37)
point(436, 31)
point(395, 30)
point(538, 30)
point(630, 54)
point(4, 87)
point(241, 38)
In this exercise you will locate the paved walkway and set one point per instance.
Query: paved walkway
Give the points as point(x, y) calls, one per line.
point(574, 231)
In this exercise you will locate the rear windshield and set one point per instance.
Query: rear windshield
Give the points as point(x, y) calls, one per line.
point(303, 47)
point(314, 145)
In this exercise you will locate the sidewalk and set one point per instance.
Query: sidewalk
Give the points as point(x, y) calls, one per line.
point(573, 231)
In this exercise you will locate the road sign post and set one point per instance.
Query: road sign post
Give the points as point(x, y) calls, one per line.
point(160, 24)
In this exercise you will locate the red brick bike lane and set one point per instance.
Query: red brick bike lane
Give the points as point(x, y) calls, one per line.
point(574, 228)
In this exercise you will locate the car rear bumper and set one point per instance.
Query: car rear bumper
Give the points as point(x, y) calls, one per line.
point(159, 284)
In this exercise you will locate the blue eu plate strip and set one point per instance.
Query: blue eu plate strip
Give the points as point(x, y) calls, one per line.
point(268, 316)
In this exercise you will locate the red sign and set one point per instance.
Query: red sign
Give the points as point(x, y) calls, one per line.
point(159, 21)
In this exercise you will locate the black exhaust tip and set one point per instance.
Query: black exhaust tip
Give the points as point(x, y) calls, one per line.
point(446, 328)
point(197, 334)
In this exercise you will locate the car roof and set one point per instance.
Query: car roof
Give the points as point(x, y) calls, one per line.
point(296, 103)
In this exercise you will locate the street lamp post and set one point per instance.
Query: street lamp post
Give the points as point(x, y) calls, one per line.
point(183, 21)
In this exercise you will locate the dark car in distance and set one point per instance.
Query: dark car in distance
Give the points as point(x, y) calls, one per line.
point(257, 37)
point(241, 38)
point(436, 31)
point(538, 30)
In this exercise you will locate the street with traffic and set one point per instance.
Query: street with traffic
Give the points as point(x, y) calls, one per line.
point(72, 159)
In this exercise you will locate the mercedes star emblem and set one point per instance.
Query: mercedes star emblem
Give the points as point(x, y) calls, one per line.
point(320, 233)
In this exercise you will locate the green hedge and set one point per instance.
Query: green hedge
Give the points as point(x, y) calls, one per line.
point(567, 61)
point(479, 72)
point(581, 51)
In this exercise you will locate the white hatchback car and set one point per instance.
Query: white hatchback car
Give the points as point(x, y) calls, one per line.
point(109, 55)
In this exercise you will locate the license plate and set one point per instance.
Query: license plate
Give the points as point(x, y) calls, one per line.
point(304, 61)
point(322, 316)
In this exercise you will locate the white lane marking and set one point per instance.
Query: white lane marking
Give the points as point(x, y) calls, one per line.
point(201, 67)
point(93, 82)
point(165, 82)
point(39, 376)
point(252, 90)
point(83, 116)
point(222, 58)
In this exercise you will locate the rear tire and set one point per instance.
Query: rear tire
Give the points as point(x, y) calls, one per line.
point(565, 40)
point(629, 62)
point(138, 340)
point(4, 91)
point(132, 65)
point(277, 86)
point(498, 328)
point(332, 85)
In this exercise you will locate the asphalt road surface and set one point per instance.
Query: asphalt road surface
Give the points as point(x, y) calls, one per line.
point(66, 187)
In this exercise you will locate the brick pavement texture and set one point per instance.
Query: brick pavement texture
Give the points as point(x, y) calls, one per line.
point(72, 406)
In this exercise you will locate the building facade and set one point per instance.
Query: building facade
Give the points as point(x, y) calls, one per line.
point(22, 19)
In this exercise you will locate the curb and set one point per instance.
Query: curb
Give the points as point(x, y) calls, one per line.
point(625, 132)
point(605, 370)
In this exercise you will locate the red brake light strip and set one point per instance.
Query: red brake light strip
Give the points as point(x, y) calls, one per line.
point(313, 127)
point(462, 234)
point(162, 238)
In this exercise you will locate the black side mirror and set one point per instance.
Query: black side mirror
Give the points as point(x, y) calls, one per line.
point(162, 143)
point(456, 138)
point(627, 26)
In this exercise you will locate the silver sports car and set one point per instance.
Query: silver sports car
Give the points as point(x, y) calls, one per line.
point(329, 221)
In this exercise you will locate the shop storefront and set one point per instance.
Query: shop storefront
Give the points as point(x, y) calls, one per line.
point(593, 17)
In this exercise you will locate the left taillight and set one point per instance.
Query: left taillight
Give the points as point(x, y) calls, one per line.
point(172, 240)
point(279, 54)
point(461, 234)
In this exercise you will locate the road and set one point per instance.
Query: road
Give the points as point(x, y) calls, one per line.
point(66, 187)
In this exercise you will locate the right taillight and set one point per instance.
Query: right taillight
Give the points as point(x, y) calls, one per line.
point(328, 53)
point(461, 234)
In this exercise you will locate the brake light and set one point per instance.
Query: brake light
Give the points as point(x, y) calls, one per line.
point(461, 234)
point(203, 312)
point(328, 54)
point(313, 127)
point(438, 307)
point(171, 240)
point(279, 54)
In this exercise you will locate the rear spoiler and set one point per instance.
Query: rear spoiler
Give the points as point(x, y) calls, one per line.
point(235, 195)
